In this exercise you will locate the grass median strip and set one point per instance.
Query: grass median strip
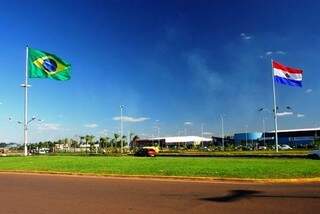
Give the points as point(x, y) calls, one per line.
point(260, 168)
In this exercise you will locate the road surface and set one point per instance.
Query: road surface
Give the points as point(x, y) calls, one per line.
point(31, 193)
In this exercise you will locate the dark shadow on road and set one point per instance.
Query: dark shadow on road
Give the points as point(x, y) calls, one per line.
point(236, 195)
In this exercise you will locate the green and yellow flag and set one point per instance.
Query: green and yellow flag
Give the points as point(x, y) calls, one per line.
point(46, 65)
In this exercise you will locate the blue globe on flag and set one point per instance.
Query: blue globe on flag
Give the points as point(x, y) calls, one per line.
point(49, 65)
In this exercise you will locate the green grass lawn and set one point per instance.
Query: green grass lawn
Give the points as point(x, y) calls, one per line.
point(167, 166)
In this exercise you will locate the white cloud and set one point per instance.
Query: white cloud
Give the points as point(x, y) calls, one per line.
point(268, 53)
point(245, 36)
point(49, 126)
point(187, 123)
point(285, 113)
point(92, 125)
point(131, 119)
point(300, 115)
point(207, 133)
point(281, 52)
point(309, 90)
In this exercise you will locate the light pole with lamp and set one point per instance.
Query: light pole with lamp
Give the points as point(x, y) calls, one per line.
point(274, 111)
point(246, 136)
point(121, 127)
point(158, 132)
point(264, 131)
point(26, 130)
point(202, 134)
point(222, 132)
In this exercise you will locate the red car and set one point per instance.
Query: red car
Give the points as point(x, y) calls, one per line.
point(146, 152)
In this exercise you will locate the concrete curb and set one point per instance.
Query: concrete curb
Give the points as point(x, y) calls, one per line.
point(171, 178)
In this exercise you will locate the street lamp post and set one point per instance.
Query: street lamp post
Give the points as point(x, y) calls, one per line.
point(26, 123)
point(202, 134)
point(201, 129)
point(222, 132)
point(246, 136)
point(121, 127)
point(158, 130)
point(264, 131)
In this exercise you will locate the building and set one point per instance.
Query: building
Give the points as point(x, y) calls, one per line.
point(298, 138)
point(174, 142)
point(248, 137)
point(295, 137)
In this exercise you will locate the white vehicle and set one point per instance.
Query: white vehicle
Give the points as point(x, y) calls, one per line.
point(43, 151)
point(315, 154)
point(262, 148)
point(285, 147)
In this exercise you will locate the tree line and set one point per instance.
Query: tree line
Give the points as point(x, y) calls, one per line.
point(89, 143)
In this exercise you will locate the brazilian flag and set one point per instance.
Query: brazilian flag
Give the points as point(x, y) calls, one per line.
point(46, 65)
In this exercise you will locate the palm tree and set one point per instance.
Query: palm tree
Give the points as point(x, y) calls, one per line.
point(103, 142)
point(108, 142)
point(82, 139)
point(112, 143)
point(51, 146)
point(130, 138)
point(59, 142)
point(124, 140)
point(74, 144)
point(134, 141)
point(66, 144)
point(86, 138)
point(116, 140)
point(89, 139)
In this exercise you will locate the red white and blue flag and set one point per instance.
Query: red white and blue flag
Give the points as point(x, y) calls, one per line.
point(286, 75)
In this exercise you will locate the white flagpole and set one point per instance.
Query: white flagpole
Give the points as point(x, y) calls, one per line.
point(25, 85)
point(274, 108)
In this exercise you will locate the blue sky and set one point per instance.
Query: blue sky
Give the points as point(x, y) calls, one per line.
point(176, 64)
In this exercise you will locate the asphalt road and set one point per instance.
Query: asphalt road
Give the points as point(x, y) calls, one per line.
point(30, 193)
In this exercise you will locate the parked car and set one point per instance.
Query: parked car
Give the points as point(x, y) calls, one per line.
point(206, 149)
point(146, 152)
point(262, 148)
point(285, 147)
point(315, 154)
point(282, 147)
point(43, 151)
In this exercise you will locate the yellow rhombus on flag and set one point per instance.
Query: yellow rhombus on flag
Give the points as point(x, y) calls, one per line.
point(46, 65)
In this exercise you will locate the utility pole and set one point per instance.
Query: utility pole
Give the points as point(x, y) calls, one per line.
point(246, 135)
point(201, 129)
point(222, 132)
point(121, 127)
point(202, 134)
point(158, 132)
point(264, 131)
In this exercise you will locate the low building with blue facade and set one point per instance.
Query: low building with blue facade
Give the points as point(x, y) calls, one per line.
point(247, 137)
point(295, 137)
point(292, 137)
